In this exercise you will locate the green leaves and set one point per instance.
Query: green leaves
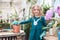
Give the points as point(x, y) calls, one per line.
point(3, 25)
point(45, 8)
point(29, 0)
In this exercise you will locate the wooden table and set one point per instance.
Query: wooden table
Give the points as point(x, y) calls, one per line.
point(9, 35)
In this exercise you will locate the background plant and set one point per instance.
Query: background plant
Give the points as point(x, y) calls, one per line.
point(45, 8)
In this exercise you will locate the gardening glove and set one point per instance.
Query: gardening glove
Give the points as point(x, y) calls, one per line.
point(43, 34)
point(15, 23)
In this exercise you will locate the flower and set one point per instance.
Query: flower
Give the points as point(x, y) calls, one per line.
point(49, 14)
point(58, 10)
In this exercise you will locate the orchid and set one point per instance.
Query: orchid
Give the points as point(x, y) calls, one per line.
point(58, 10)
point(49, 14)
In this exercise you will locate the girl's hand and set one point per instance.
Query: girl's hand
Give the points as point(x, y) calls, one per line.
point(43, 34)
point(15, 23)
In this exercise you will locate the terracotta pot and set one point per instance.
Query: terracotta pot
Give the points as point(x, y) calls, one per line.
point(16, 28)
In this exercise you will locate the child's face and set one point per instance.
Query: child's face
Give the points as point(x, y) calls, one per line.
point(36, 10)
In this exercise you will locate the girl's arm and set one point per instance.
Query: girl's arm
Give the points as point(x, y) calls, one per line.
point(26, 21)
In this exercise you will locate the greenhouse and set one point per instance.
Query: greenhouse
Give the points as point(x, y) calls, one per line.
point(29, 19)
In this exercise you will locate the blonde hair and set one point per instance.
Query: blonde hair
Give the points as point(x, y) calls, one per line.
point(40, 9)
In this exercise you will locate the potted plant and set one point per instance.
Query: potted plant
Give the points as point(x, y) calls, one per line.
point(16, 28)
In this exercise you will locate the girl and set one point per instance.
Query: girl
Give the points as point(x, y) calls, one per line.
point(38, 21)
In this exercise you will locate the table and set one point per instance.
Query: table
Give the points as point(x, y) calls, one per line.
point(10, 35)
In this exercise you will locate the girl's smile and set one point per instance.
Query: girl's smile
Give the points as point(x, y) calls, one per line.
point(36, 11)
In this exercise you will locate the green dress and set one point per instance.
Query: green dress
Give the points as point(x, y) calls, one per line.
point(36, 30)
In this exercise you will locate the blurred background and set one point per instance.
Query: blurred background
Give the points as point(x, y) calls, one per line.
point(10, 9)
point(21, 9)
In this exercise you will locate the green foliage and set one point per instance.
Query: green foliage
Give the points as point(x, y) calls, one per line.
point(0, 25)
point(27, 26)
point(58, 25)
point(14, 16)
point(45, 8)
point(29, 0)
point(3, 25)
point(27, 29)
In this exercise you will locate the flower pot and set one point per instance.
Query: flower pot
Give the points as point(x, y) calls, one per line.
point(16, 28)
